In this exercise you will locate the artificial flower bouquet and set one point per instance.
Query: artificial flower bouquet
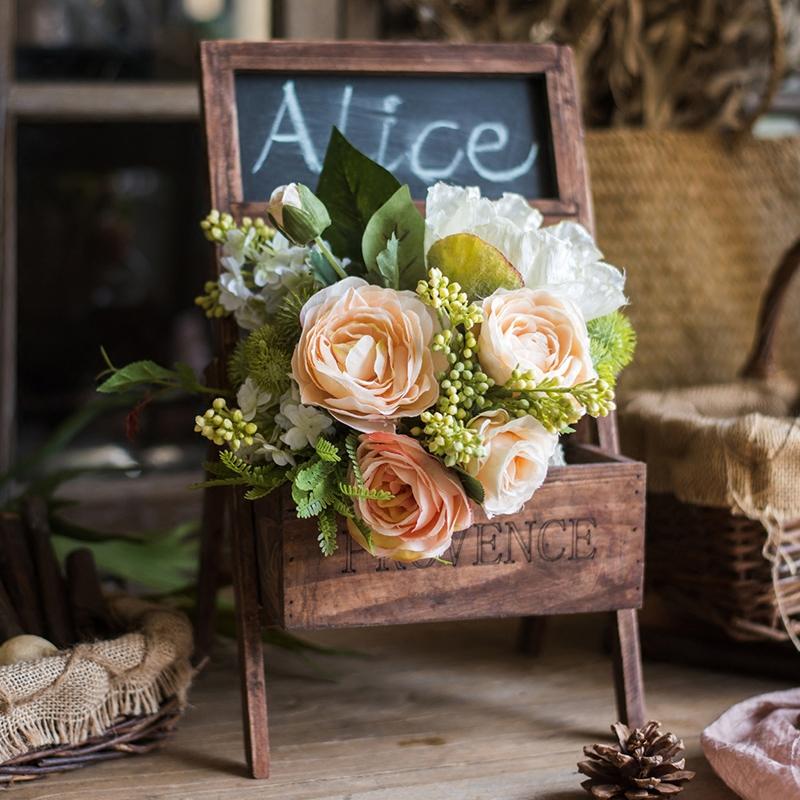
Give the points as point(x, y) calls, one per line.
point(394, 369)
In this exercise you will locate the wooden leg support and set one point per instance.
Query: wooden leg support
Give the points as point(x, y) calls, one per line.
point(212, 535)
point(530, 635)
point(628, 668)
point(248, 634)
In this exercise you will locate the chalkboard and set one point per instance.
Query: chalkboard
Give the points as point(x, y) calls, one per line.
point(503, 117)
point(491, 132)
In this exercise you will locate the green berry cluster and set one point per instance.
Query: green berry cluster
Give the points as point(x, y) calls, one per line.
point(447, 297)
point(557, 407)
point(209, 301)
point(224, 426)
point(216, 226)
point(462, 385)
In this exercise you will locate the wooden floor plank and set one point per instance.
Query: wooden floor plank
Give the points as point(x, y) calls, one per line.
point(431, 712)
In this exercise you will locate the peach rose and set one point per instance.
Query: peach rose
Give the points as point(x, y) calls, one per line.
point(364, 354)
point(536, 330)
point(429, 502)
point(515, 463)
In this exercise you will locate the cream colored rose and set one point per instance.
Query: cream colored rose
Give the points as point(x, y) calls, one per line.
point(515, 462)
point(536, 330)
point(364, 354)
point(429, 503)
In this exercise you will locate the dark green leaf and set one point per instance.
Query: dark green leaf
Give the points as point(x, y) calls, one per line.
point(472, 486)
point(352, 187)
point(398, 217)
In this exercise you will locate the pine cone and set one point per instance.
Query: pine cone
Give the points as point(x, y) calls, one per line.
point(646, 764)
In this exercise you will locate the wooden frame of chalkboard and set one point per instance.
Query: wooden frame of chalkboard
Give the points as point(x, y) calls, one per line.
point(576, 547)
point(562, 142)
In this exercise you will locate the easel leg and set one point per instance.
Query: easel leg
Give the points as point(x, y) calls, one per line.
point(530, 635)
point(248, 634)
point(212, 535)
point(628, 668)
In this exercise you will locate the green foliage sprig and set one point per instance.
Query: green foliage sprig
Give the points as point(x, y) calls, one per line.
point(151, 376)
point(232, 470)
point(556, 407)
point(264, 357)
point(612, 344)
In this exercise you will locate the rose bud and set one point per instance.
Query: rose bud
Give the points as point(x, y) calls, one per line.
point(297, 213)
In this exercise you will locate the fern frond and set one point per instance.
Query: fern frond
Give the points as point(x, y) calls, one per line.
point(351, 446)
point(326, 523)
point(256, 493)
point(311, 475)
point(309, 508)
point(612, 343)
point(342, 507)
point(327, 451)
point(209, 484)
point(362, 493)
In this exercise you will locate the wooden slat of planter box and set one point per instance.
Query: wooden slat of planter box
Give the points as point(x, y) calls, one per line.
point(577, 546)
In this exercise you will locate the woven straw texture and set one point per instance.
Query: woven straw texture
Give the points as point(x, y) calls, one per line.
point(731, 446)
point(698, 224)
point(67, 698)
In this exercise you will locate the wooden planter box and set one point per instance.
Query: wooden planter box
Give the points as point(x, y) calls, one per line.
point(578, 545)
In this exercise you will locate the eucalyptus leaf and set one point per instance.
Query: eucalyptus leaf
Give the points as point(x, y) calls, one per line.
point(398, 217)
point(352, 187)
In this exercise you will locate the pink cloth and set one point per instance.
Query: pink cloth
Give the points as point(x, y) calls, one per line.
point(755, 746)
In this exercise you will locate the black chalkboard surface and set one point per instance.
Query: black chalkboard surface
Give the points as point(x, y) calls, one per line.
point(486, 131)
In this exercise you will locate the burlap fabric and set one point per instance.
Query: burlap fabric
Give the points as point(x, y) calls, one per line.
point(734, 446)
point(698, 224)
point(67, 698)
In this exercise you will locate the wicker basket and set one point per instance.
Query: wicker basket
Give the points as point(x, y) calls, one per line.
point(131, 736)
point(720, 567)
point(98, 700)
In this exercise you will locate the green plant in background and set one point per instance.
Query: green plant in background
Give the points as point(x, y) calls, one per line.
point(160, 564)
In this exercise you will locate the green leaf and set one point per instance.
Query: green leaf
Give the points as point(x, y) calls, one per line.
point(163, 562)
point(366, 532)
point(327, 451)
point(322, 271)
point(472, 486)
point(327, 532)
point(209, 484)
point(256, 493)
point(310, 475)
point(351, 445)
point(309, 508)
point(352, 187)
point(397, 218)
point(362, 493)
point(387, 271)
point(479, 267)
point(187, 378)
point(136, 374)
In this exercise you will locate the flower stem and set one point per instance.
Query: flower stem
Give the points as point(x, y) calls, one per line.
point(330, 258)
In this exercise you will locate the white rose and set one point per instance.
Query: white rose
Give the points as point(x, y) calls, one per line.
point(514, 466)
point(536, 330)
point(563, 255)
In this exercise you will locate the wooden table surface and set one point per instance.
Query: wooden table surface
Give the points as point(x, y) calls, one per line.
point(433, 712)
